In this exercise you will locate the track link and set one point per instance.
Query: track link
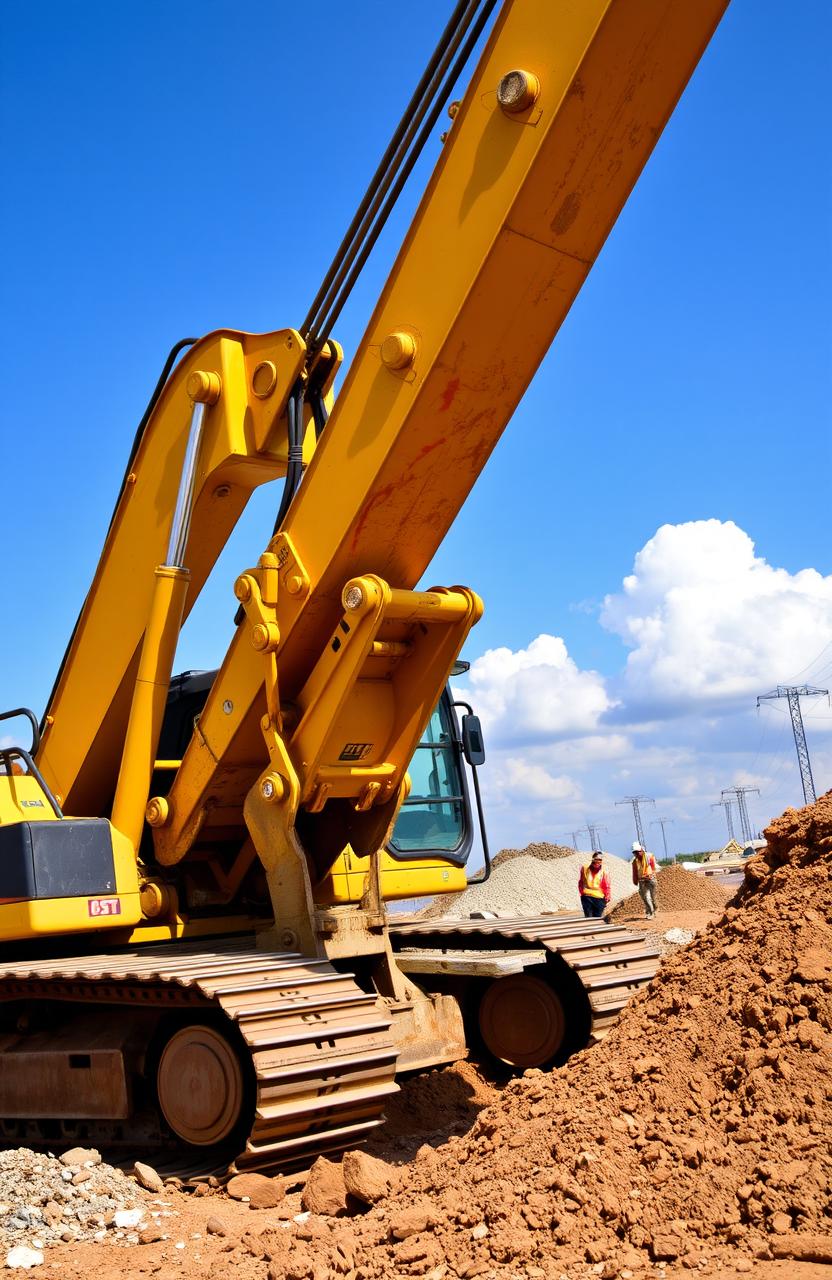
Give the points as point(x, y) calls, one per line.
point(321, 1051)
point(611, 962)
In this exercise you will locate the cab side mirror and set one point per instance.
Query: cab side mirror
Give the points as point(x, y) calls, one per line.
point(473, 747)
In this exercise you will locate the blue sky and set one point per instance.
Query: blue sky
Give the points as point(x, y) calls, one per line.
point(158, 183)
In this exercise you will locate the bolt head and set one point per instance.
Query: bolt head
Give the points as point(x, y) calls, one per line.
point(517, 91)
point(264, 379)
point(398, 350)
point(228, 706)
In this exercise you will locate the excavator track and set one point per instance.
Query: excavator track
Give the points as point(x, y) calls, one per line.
point(320, 1052)
point(610, 962)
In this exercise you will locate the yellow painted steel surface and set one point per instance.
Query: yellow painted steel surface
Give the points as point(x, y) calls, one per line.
point(400, 879)
point(244, 445)
point(21, 800)
point(512, 220)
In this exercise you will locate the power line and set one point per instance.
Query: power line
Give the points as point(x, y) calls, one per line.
point(636, 802)
point(741, 793)
point(793, 693)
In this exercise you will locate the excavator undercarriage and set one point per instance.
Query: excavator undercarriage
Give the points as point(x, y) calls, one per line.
point(222, 1054)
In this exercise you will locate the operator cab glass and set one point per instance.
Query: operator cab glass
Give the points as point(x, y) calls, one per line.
point(435, 818)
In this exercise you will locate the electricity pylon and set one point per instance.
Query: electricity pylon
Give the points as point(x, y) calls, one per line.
point(741, 793)
point(592, 830)
point(793, 693)
point(728, 806)
point(636, 802)
point(663, 822)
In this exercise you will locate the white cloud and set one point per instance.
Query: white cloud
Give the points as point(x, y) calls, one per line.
point(708, 621)
point(709, 625)
point(532, 781)
point(537, 693)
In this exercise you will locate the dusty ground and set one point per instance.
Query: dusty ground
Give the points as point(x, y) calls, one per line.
point(695, 1138)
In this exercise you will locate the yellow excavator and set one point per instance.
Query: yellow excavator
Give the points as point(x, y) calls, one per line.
point(195, 949)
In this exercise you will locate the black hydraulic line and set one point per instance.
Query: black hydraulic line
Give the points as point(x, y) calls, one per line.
point(319, 412)
point(384, 163)
point(134, 449)
point(417, 109)
point(404, 173)
point(294, 465)
point(151, 405)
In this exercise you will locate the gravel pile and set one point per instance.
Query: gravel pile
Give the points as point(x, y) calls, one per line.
point(537, 849)
point(45, 1200)
point(528, 885)
point(677, 890)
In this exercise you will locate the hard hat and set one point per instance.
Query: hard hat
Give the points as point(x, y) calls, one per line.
point(637, 848)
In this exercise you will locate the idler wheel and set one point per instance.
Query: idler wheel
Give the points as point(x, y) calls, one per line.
point(521, 1021)
point(199, 1083)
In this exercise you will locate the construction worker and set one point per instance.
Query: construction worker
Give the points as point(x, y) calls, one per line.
point(644, 876)
point(594, 887)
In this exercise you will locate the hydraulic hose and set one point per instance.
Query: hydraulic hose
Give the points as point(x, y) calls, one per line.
point(434, 89)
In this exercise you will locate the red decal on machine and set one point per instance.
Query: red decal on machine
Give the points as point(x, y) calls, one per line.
point(104, 906)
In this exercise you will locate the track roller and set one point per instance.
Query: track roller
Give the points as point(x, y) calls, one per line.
point(199, 1084)
point(522, 1021)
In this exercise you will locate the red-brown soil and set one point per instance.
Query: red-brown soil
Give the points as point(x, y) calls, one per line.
point(697, 1136)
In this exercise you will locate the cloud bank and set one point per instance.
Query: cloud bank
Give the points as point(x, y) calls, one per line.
point(706, 624)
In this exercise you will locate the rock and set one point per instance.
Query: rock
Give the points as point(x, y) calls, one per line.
point(148, 1177)
point(810, 1248)
point(128, 1219)
point(216, 1227)
point(150, 1235)
point(325, 1190)
point(665, 1246)
point(22, 1256)
point(366, 1177)
point(80, 1156)
point(410, 1222)
point(779, 1223)
point(260, 1191)
point(479, 1232)
point(82, 1176)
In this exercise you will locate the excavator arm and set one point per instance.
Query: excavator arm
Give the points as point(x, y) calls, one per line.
point(556, 125)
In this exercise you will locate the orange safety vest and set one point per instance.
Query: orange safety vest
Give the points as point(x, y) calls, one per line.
point(592, 882)
point(645, 866)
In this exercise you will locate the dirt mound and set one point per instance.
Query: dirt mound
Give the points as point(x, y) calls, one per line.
point(677, 890)
point(699, 1129)
point(537, 849)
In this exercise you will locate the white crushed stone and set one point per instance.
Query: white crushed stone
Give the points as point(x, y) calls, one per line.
point(527, 885)
point(680, 936)
point(22, 1256)
point(40, 1206)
